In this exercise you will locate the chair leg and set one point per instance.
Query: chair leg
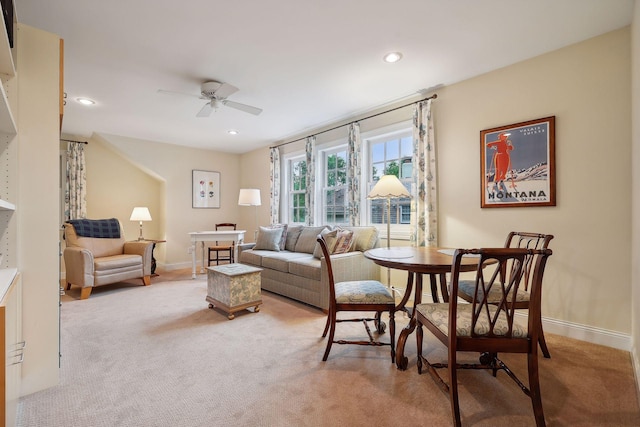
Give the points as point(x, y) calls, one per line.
point(85, 292)
point(543, 343)
point(453, 389)
point(419, 338)
point(326, 325)
point(392, 331)
point(332, 332)
point(534, 388)
point(146, 280)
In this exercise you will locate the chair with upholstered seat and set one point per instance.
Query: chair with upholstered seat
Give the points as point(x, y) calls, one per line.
point(357, 296)
point(224, 251)
point(487, 327)
point(515, 239)
point(97, 254)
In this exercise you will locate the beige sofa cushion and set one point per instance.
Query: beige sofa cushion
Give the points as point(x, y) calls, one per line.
point(293, 233)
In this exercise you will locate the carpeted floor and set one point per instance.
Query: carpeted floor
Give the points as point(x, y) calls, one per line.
point(158, 356)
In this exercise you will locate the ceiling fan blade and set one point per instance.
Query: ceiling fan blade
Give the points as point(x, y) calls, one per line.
point(205, 111)
point(172, 92)
point(225, 90)
point(242, 107)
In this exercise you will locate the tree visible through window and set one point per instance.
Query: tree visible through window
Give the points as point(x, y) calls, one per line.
point(335, 188)
point(297, 190)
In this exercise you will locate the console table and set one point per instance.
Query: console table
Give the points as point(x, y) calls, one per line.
point(212, 236)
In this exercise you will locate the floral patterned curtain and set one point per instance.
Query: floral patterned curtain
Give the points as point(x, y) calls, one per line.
point(311, 180)
point(275, 185)
point(354, 171)
point(424, 207)
point(75, 198)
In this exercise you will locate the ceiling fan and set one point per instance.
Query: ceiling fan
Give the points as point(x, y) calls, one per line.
point(216, 94)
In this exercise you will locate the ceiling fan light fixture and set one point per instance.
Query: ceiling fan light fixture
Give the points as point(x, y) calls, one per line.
point(392, 57)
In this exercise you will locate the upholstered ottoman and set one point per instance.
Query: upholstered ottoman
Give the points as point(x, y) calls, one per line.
point(234, 287)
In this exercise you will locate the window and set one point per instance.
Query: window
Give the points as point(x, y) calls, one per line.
point(297, 188)
point(391, 154)
point(334, 187)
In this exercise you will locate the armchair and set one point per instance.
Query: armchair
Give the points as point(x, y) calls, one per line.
point(97, 254)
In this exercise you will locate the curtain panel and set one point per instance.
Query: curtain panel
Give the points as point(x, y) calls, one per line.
point(310, 181)
point(274, 172)
point(424, 206)
point(75, 198)
point(354, 172)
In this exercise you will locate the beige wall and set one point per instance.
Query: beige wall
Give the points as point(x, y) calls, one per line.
point(586, 86)
point(635, 164)
point(173, 165)
point(115, 186)
point(38, 214)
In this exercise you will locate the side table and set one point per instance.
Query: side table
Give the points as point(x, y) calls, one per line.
point(234, 287)
point(153, 259)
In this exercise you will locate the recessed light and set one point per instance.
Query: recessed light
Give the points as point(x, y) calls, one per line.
point(392, 57)
point(85, 101)
point(232, 132)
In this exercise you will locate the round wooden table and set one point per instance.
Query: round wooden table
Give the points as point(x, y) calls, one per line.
point(435, 262)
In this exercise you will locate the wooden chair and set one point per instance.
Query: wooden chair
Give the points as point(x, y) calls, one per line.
point(358, 296)
point(224, 250)
point(487, 327)
point(515, 239)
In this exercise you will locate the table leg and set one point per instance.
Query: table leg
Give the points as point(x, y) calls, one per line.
point(401, 360)
point(193, 259)
point(202, 265)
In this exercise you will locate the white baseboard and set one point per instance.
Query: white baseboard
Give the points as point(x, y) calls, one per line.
point(588, 333)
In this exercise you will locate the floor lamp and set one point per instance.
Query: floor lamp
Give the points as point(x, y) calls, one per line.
point(388, 187)
point(250, 197)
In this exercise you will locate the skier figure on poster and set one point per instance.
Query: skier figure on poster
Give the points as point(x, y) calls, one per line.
point(501, 162)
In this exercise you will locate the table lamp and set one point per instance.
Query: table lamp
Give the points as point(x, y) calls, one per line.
point(140, 214)
point(250, 197)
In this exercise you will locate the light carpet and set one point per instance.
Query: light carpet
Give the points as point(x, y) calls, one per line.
point(158, 356)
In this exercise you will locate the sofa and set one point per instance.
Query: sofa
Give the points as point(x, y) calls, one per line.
point(97, 254)
point(293, 266)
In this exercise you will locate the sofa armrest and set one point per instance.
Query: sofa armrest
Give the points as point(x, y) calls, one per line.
point(142, 248)
point(78, 264)
point(347, 266)
point(244, 247)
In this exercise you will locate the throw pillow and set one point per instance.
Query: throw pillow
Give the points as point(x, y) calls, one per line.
point(307, 241)
point(269, 239)
point(283, 239)
point(330, 240)
point(344, 240)
point(293, 232)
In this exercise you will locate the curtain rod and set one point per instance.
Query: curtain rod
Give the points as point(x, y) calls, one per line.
point(434, 96)
point(77, 142)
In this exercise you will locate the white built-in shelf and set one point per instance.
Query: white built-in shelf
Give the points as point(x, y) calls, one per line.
point(6, 58)
point(7, 124)
point(7, 206)
point(6, 277)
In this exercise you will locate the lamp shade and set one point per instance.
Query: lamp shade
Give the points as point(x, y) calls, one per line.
point(140, 214)
point(249, 197)
point(388, 186)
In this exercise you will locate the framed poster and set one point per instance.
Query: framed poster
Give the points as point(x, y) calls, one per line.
point(517, 165)
point(205, 191)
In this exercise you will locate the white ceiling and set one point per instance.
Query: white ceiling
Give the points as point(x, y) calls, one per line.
point(306, 63)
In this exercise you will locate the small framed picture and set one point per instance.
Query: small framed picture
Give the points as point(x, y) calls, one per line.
point(205, 189)
point(517, 165)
